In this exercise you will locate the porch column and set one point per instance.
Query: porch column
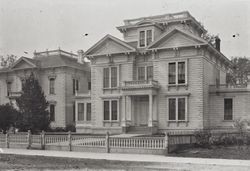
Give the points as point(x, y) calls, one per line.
point(150, 112)
point(124, 111)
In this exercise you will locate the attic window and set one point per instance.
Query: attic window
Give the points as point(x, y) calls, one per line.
point(145, 38)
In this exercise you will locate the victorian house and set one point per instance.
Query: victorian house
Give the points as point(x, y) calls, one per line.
point(61, 75)
point(162, 76)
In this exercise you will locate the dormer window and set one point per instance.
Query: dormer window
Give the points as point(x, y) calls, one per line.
point(145, 38)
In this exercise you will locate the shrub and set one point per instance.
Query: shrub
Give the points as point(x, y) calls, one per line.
point(203, 138)
point(71, 128)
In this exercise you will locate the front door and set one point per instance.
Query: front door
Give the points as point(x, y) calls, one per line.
point(141, 110)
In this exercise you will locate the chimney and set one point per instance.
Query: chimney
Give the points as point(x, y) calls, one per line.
point(80, 56)
point(217, 43)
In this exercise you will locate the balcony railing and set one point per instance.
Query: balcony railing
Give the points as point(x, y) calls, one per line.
point(140, 84)
point(227, 87)
point(14, 94)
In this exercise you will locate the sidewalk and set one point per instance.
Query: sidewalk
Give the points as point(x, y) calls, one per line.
point(129, 157)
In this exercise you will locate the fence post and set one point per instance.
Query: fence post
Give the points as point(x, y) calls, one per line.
point(7, 139)
point(43, 140)
point(107, 143)
point(166, 145)
point(70, 141)
point(29, 139)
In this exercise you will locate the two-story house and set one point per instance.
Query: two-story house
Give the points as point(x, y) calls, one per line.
point(61, 75)
point(156, 79)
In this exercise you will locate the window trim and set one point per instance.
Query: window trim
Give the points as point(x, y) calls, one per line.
point(110, 110)
point(145, 37)
point(176, 108)
point(177, 74)
point(110, 82)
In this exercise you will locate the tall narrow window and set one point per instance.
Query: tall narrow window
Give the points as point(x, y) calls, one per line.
point(149, 72)
point(181, 72)
point(149, 36)
point(181, 109)
point(172, 108)
point(106, 77)
point(113, 76)
point(88, 116)
point(74, 112)
point(52, 86)
point(114, 110)
point(217, 77)
point(142, 39)
point(171, 73)
point(75, 86)
point(52, 112)
point(89, 85)
point(80, 111)
point(8, 88)
point(228, 109)
point(106, 110)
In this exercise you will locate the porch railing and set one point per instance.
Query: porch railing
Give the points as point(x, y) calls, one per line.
point(141, 83)
point(226, 87)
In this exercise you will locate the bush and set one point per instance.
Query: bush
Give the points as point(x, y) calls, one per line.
point(203, 138)
point(71, 128)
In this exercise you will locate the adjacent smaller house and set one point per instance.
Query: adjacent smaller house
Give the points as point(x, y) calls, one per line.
point(61, 75)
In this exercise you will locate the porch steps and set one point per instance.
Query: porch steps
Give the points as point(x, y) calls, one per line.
point(139, 130)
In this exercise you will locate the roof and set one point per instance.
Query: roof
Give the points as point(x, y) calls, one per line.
point(161, 19)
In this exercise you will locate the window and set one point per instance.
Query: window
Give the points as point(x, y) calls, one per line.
point(110, 77)
point(142, 38)
point(145, 73)
point(88, 116)
point(149, 36)
point(141, 73)
point(80, 111)
point(8, 88)
point(145, 38)
point(228, 109)
point(149, 72)
point(110, 110)
point(75, 86)
point(177, 73)
point(217, 77)
point(52, 112)
point(89, 85)
point(74, 112)
point(52, 86)
point(177, 108)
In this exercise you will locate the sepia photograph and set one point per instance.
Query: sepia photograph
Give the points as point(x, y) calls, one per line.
point(125, 85)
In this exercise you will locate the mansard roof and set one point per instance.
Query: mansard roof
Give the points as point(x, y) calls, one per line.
point(109, 45)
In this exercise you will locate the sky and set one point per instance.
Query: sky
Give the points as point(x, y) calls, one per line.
point(29, 25)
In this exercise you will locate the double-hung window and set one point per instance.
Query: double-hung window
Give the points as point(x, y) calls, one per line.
point(177, 73)
point(177, 109)
point(110, 110)
point(145, 73)
point(228, 109)
point(110, 77)
point(145, 38)
point(80, 114)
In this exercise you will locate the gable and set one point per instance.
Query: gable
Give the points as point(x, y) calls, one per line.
point(109, 45)
point(22, 64)
point(176, 39)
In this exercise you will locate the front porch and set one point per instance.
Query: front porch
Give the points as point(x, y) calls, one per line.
point(140, 107)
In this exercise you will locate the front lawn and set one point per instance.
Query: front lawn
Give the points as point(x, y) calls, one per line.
point(222, 152)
